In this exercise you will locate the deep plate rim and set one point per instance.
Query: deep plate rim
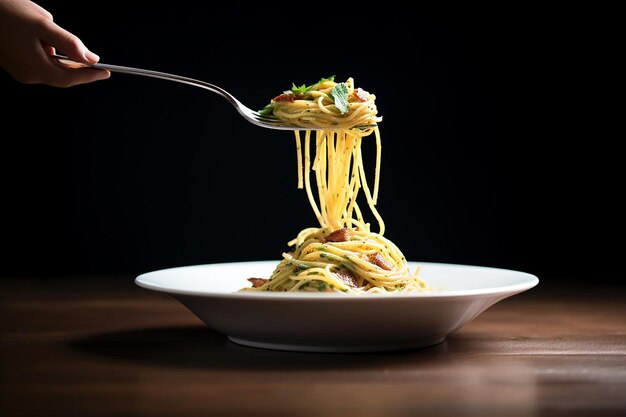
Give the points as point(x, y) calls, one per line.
point(529, 282)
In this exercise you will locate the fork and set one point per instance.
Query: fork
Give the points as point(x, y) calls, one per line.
point(254, 117)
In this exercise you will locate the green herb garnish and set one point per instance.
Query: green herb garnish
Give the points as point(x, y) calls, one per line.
point(339, 93)
point(267, 110)
point(304, 88)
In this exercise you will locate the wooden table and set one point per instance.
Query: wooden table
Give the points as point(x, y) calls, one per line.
point(100, 346)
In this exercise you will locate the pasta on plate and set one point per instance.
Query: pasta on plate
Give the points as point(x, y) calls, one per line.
point(343, 254)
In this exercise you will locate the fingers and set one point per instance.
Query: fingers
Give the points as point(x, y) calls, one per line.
point(61, 76)
point(72, 77)
point(54, 74)
point(67, 43)
point(55, 38)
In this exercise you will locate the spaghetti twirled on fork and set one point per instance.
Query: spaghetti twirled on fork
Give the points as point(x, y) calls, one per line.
point(343, 254)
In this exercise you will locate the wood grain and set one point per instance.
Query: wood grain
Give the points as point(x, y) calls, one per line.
point(99, 346)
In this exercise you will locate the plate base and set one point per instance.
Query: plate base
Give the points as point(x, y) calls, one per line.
point(339, 348)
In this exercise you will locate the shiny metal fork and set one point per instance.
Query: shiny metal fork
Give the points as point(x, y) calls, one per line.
point(254, 117)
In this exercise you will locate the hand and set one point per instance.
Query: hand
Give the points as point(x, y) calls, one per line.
point(28, 37)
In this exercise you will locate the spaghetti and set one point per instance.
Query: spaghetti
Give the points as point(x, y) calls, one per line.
point(343, 254)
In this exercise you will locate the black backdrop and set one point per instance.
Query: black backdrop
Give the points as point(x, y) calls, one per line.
point(491, 155)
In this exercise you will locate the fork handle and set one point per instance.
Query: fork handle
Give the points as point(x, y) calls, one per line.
point(68, 63)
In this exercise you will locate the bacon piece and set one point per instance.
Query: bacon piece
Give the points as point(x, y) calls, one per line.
point(378, 260)
point(288, 97)
point(361, 94)
point(284, 97)
point(339, 235)
point(257, 282)
point(347, 276)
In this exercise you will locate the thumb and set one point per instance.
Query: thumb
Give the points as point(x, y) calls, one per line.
point(68, 44)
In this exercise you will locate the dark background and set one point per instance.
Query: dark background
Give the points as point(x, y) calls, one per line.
point(496, 146)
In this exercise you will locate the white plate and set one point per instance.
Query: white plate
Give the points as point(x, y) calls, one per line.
point(328, 322)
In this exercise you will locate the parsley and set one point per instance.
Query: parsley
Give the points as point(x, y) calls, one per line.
point(339, 93)
point(267, 110)
point(304, 88)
